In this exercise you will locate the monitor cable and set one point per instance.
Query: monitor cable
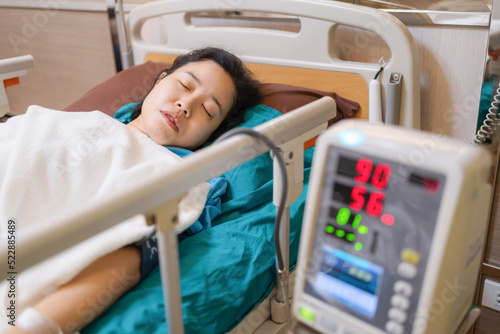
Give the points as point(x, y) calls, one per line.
point(491, 121)
point(280, 266)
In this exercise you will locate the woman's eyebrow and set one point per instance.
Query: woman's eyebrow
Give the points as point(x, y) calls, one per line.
point(213, 97)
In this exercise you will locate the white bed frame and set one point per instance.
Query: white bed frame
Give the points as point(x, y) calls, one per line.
point(310, 48)
point(12, 68)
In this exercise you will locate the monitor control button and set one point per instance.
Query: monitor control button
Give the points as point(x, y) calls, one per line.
point(400, 301)
point(393, 327)
point(307, 313)
point(328, 324)
point(349, 331)
point(407, 270)
point(403, 288)
point(410, 255)
point(397, 315)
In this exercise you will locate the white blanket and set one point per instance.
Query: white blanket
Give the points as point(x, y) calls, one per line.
point(51, 161)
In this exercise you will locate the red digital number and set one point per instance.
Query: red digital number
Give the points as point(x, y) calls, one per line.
point(358, 198)
point(364, 168)
point(375, 204)
point(381, 176)
point(379, 180)
point(431, 185)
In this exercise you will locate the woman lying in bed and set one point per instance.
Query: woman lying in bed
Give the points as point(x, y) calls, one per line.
point(200, 96)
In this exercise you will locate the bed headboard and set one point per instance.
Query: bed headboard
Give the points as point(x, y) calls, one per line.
point(312, 47)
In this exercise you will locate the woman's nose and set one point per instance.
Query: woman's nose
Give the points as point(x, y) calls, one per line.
point(184, 107)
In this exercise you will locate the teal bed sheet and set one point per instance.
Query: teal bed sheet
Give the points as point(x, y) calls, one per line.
point(225, 270)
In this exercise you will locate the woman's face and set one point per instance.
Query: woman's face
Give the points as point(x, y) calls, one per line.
point(186, 107)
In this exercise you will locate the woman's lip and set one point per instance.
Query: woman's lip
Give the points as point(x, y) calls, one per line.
point(170, 121)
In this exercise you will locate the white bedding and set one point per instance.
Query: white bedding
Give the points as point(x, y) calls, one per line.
point(52, 161)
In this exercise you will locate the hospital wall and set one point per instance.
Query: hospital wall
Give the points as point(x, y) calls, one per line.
point(72, 44)
point(72, 49)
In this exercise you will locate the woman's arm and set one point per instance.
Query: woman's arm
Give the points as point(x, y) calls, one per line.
point(93, 290)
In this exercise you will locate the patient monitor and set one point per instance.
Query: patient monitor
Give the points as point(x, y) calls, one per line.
point(393, 232)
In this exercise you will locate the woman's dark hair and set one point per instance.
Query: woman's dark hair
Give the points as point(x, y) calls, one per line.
point(247, 88)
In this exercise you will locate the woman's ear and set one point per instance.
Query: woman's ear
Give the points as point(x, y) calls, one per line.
point(161, 76)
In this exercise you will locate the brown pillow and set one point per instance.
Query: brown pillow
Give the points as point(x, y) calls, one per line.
point(127, 86)
point(132, 84)
point(285, 98)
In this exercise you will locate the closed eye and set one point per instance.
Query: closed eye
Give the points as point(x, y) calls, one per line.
point(209, 115)
point(183, 85)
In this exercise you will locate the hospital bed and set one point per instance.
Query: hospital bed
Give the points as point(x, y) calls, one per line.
point(227, 272)
point(10, 71)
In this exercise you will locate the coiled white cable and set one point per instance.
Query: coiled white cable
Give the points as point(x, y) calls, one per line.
point(491, 122)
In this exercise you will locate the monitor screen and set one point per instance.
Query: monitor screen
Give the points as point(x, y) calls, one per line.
point(374, 216)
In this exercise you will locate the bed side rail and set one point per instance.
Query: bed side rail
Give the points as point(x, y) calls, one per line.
point(70, 228)
point(10, 71)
